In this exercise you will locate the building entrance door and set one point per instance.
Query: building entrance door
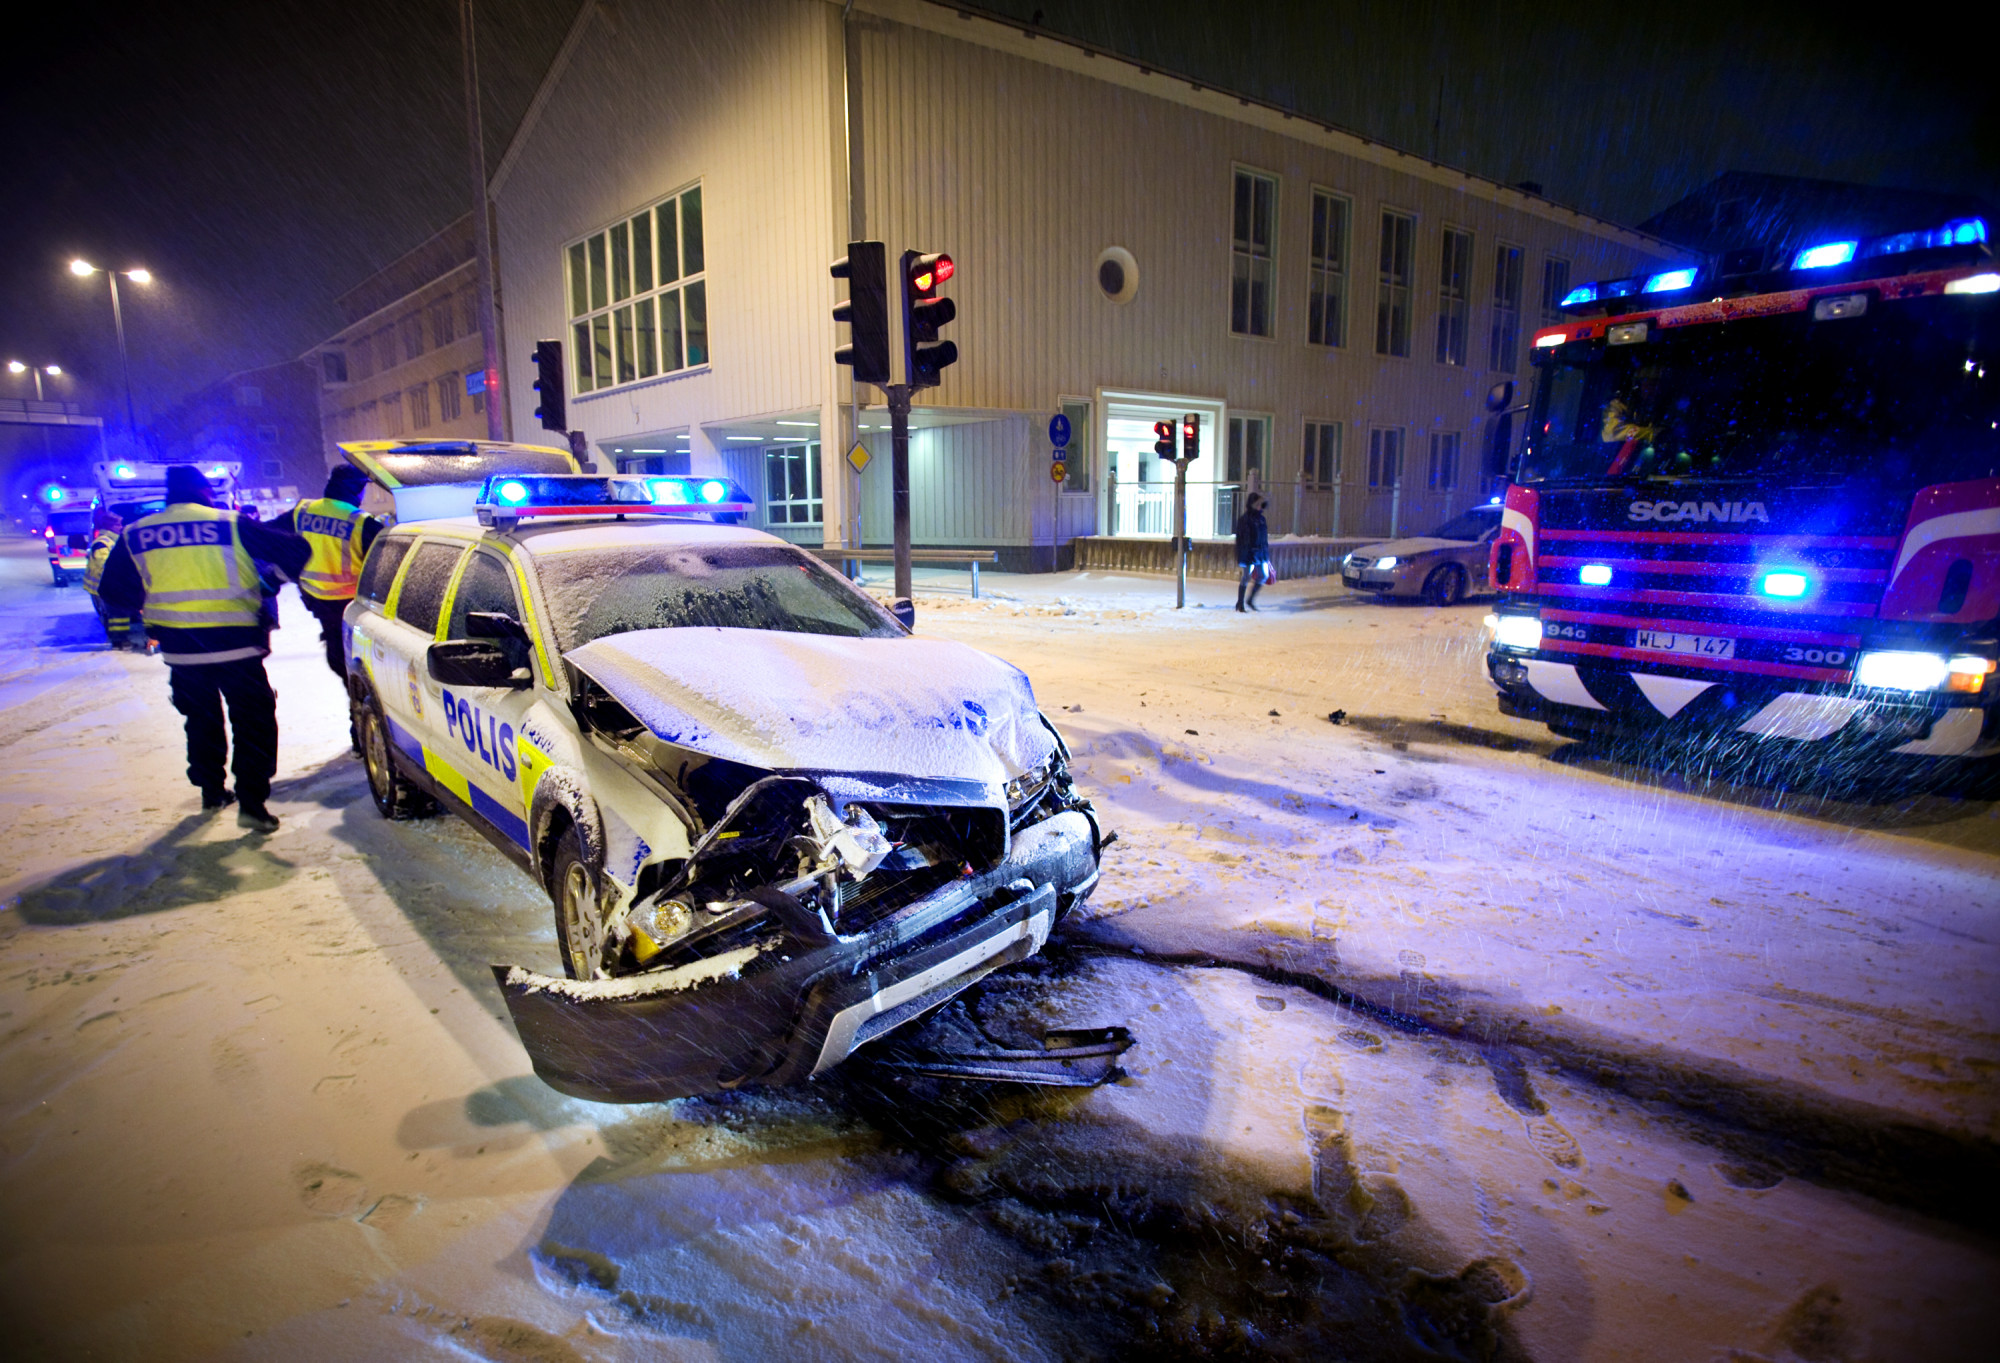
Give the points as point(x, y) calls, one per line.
point(1139, 485)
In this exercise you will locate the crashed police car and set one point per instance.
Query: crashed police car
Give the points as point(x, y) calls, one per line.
point(774, 824)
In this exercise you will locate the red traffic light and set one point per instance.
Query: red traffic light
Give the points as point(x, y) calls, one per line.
point(1190, 435)
point(1163, 439)
point(927, 272)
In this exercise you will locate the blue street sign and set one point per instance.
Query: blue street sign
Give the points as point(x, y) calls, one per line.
point(1059, 431)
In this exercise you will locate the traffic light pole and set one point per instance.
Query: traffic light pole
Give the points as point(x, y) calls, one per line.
point(1180, 534)
point(899, 480)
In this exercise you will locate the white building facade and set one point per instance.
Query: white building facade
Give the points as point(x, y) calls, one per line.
point(1129, 247)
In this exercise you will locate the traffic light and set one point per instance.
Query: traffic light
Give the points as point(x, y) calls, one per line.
point(1190, 435)
point(923, 313)
point(1163, 439)
point(553, 411)
point(865, 267)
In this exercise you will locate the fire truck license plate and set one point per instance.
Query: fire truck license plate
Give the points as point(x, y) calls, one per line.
point(1706, 645)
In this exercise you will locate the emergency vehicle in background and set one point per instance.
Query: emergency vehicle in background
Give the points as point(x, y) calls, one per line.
point(66, 529)
point(132, 488)
point(1759, 499)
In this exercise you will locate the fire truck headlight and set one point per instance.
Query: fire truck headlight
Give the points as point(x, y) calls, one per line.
point(1900, 671)
point(1517, 631)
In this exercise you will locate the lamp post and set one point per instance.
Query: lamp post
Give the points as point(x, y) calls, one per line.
point(54, 371)
point(83, 269)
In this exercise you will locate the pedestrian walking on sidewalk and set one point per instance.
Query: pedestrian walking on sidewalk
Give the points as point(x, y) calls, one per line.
point(1253, 551)
point(191, 573)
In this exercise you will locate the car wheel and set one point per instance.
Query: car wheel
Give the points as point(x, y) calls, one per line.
point(1445, 586)
point(580, 931)
point(394, 795)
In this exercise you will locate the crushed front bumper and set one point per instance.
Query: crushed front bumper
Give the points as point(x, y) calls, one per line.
point(787, 1007)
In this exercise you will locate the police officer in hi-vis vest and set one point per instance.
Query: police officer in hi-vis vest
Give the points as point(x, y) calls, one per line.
point(117, 628)
point(190, 572)
point(339, 533)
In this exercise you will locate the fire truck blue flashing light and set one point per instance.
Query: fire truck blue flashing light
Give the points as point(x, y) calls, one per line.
point(1578, 296)
point(1825, 255)
point(1595, 575)
point(1787, 585)
point(1671, 281)
point(1960, 232)
point(121, 471)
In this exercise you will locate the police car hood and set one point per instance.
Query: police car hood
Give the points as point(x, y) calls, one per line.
point(920, 708)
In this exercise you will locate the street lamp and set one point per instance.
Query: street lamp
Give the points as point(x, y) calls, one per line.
point(54, 371)
point(83, 269)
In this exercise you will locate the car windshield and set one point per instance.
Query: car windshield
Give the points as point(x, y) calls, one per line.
point(1905, 394)
point(1468, 526)
point(595, 592)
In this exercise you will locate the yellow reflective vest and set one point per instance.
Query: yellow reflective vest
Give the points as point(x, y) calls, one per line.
point(333, 529)
point(101, 546)
point(194, 567)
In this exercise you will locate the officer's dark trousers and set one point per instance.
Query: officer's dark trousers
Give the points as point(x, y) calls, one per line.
point(328, 614)
point(199, 694)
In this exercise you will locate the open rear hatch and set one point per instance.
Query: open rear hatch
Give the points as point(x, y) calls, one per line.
point(429, 479)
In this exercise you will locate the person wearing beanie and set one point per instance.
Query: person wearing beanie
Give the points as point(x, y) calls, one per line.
point(340, 534)
point(192, 573)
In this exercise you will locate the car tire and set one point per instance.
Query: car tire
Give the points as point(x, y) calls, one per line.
point(573, 890)
point(395, 796)
point(1445, 586)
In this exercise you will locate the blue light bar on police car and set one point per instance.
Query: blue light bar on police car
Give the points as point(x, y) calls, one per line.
point(510, 497)
point(1825, 255)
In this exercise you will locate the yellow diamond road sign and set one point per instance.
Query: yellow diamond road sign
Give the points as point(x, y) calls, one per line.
point(858, 457)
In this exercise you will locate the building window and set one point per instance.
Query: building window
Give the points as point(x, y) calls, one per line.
point(1555, 288)
point(1385, 456)
point(449, 386)
point(267, 435)
point(442, 332)
point(385, 350)
point(1392, 292)
point(791, 485)
point(1249, 437)
point(361, 356)
point(1252, 262)
point(638, 296)
point(1320, 467)
point(1326, 298)
point(1078, 460)
point(419, 399)
point(270, 468)
point(1454, 295)
point(333, 366)
point(1444, 461)
point(468, 310)
point(391, 414)
point(412, 329)
point(249, 396)
point(1504, 347)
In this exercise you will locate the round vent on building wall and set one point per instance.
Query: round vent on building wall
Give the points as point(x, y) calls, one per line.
point(1118, 274)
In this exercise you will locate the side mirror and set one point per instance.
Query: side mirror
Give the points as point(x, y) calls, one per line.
point(474, 662)
point(1500, 396)
point(905, 610)
point(494, 625)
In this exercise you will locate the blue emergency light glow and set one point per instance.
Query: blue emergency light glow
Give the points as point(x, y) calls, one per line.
point(1825, 255)
point(714, 491)
point(1671, 281)
point(121, 471)
point(1961, 232)
point(1581, 294)
point(1595, 575)
point(54, 494)
point(1787, 585)
point(513, 492)
point(669, 491)
point(217, 471)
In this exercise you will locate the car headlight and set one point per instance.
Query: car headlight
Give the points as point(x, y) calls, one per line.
point(1029, 783)
point(1896, 670)
point(1388, 562)
point(1517, 631)
point(656, 925)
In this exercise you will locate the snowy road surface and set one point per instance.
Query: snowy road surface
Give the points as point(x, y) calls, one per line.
point(1454, 1041)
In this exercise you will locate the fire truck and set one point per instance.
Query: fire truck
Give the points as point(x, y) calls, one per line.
point(1758, 502)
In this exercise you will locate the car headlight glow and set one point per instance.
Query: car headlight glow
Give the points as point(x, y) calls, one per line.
point(1896, 670)
point(1969, 672)
point(1517, 631)
point(1388, 562)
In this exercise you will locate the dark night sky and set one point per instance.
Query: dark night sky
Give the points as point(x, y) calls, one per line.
point(260, 159)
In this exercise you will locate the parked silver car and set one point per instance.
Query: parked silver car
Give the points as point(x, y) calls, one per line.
point(1441, 567)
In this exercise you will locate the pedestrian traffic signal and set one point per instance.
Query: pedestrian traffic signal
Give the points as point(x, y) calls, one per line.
point(923, 313)
point(865, 267)
point(1190, 435)
point(553, 410)
point(1163, 439)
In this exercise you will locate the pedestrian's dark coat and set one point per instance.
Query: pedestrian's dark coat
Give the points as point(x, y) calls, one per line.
point(1253, 538)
